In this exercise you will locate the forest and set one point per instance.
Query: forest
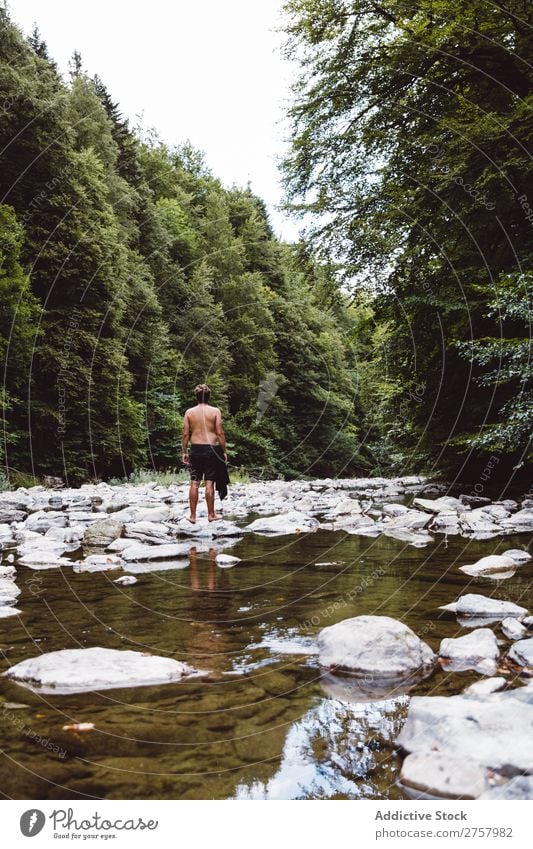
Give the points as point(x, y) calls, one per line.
point(393, 338)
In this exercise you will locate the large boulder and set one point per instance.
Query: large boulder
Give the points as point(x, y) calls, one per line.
point(493, 731)
point(477, 650)
point(81, 670)
point(103, 532)
point(375, 646)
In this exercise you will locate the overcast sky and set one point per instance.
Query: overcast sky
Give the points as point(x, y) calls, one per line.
point(206, 70)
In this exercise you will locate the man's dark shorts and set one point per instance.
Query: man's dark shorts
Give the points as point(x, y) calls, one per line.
point(205, 462)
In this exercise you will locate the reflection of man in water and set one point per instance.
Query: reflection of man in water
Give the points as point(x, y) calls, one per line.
point(208, 635)
point(202, 425)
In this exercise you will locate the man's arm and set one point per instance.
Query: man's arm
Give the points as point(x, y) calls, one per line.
point(220, 433)
point(185, 437)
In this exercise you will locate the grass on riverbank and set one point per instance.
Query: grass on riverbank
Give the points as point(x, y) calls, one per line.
point(167, 477)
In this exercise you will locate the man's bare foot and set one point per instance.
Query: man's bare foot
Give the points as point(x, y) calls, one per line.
point(191, 519)
point(215, 517)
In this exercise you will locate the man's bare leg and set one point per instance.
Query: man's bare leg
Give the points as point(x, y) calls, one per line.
point(193, 500)
point(210, 499)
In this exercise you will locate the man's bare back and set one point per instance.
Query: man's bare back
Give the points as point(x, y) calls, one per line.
point(204, 424)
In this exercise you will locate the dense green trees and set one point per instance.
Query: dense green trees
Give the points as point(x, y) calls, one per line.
point(411, 128)
point(129, 274)
point(395, 338)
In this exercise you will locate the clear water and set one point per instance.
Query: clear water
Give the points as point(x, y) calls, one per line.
point(267, 722)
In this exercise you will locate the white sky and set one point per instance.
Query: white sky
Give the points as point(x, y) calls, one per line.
point(206, 70)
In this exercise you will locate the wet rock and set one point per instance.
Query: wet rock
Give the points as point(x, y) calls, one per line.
point(482, 607)
point(520, 787)
point(520, 522)
point(477, 650)
point(71, 536)
point(513, 629)
point(392, 510)
point(8, 514)
point(98, 563)
point(518, 555)
point(374, 646)
point(121, 544)
point(42, 520)
point(143, 514)
point(286, 523)
point(8, 572)
point(485, 686)
point(9, 591)
point(103, 532)
point(522, 654)
point(478, 525)
point(226, 560)
point(492, 564)
point(362, 525)
point(6, 611)
point(443, 776)
point(155, 552)
point(496, 512)
point(412, 519)
point(418, 540)
point(493, 731)
point(528, 621)
point(474, 500)
point(446, 523)
point(44, 560)
point(206, 529)
point(445, 504)
point(82, 670)
point(125, 580)
point(154, 533)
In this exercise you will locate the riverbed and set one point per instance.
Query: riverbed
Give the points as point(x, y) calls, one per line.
point(266, 722)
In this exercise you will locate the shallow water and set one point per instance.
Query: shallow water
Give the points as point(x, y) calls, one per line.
point(266, 722)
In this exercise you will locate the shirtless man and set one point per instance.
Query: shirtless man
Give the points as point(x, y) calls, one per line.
point(202, 425)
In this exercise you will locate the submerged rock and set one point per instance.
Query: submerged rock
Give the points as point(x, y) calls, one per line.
point(81, 670)
point(374, 646)
point(477, 650)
